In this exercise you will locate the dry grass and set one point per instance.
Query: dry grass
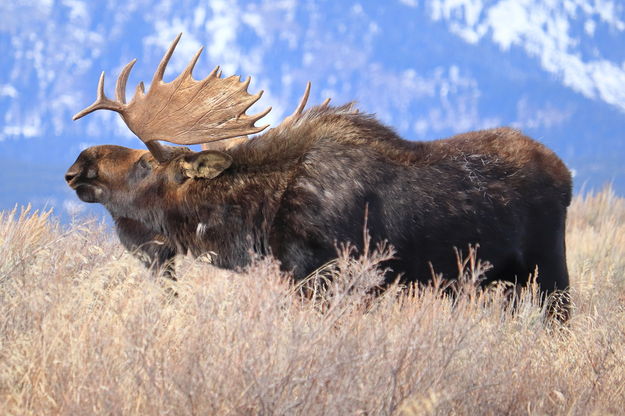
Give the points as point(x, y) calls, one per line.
point(85, 330)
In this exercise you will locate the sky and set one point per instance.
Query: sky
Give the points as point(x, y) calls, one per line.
point(427, 68)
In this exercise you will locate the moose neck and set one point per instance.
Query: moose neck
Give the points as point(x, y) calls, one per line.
point(230, 215)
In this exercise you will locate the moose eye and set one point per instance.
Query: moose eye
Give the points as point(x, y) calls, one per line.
point(144, 165)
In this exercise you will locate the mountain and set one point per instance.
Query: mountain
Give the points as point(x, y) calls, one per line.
point(430, 69)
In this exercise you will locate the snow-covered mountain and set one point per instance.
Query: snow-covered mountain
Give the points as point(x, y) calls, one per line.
point(428, 68)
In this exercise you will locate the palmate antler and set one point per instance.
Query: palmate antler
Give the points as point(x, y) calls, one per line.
point(287, 122)
point(183, 111)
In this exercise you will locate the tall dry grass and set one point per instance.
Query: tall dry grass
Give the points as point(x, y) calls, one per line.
point(84, 329)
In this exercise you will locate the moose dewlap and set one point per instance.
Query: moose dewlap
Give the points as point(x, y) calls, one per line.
point(298, 190)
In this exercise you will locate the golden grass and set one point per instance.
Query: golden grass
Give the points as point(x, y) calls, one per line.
point(84, 329)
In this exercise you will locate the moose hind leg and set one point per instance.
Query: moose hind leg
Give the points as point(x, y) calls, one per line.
point(553, 279)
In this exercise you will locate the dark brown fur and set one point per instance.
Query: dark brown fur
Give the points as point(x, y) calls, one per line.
point(296, 192)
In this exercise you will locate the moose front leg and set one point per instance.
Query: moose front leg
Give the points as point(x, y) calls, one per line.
point(152, 248)
point(158, 256)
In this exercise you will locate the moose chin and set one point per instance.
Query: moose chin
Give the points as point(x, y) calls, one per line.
point(299, 189)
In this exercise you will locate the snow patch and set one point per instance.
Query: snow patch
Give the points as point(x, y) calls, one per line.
point(543, 29)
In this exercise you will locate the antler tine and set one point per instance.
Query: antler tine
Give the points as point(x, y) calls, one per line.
point(160, 71)
point(140, 90)
point(254, 118)
point(260, 115)
point(213, 73)
point(326, 102)
point(120, 88)
point(253, 99)
point(246, 83)
point(188, 71)
point(300, 107)
point(101, 102)
point(100, 94)
point(303, 100)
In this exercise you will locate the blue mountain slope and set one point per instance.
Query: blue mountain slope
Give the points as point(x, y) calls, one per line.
point(429, 69)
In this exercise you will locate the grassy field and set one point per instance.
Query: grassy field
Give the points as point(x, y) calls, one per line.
point(84, 329)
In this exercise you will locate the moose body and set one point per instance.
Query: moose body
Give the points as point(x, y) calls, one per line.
point(318, 180)
point(298, 192)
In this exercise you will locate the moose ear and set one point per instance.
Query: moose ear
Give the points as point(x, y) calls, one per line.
point(206, 165)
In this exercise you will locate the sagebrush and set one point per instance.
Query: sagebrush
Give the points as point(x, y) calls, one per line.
point(85, 329)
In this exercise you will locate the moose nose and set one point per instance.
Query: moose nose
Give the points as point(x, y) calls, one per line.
point(71, 174)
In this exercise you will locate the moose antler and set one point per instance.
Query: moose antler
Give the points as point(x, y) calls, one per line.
point(289, 120)
point(183, 111)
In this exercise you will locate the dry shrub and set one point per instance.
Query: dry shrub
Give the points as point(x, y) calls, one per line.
point(86, 330)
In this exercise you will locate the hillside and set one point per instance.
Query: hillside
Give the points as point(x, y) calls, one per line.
point(86, 330)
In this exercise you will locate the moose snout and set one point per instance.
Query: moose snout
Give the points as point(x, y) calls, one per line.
point(78, 172)
point(71, 174)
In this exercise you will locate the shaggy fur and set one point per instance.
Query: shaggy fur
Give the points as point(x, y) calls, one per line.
point(296, 192)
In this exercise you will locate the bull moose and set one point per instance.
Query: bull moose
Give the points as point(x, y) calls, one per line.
point(298, 190)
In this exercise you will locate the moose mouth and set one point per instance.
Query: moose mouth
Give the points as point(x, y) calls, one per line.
point(88, 193)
